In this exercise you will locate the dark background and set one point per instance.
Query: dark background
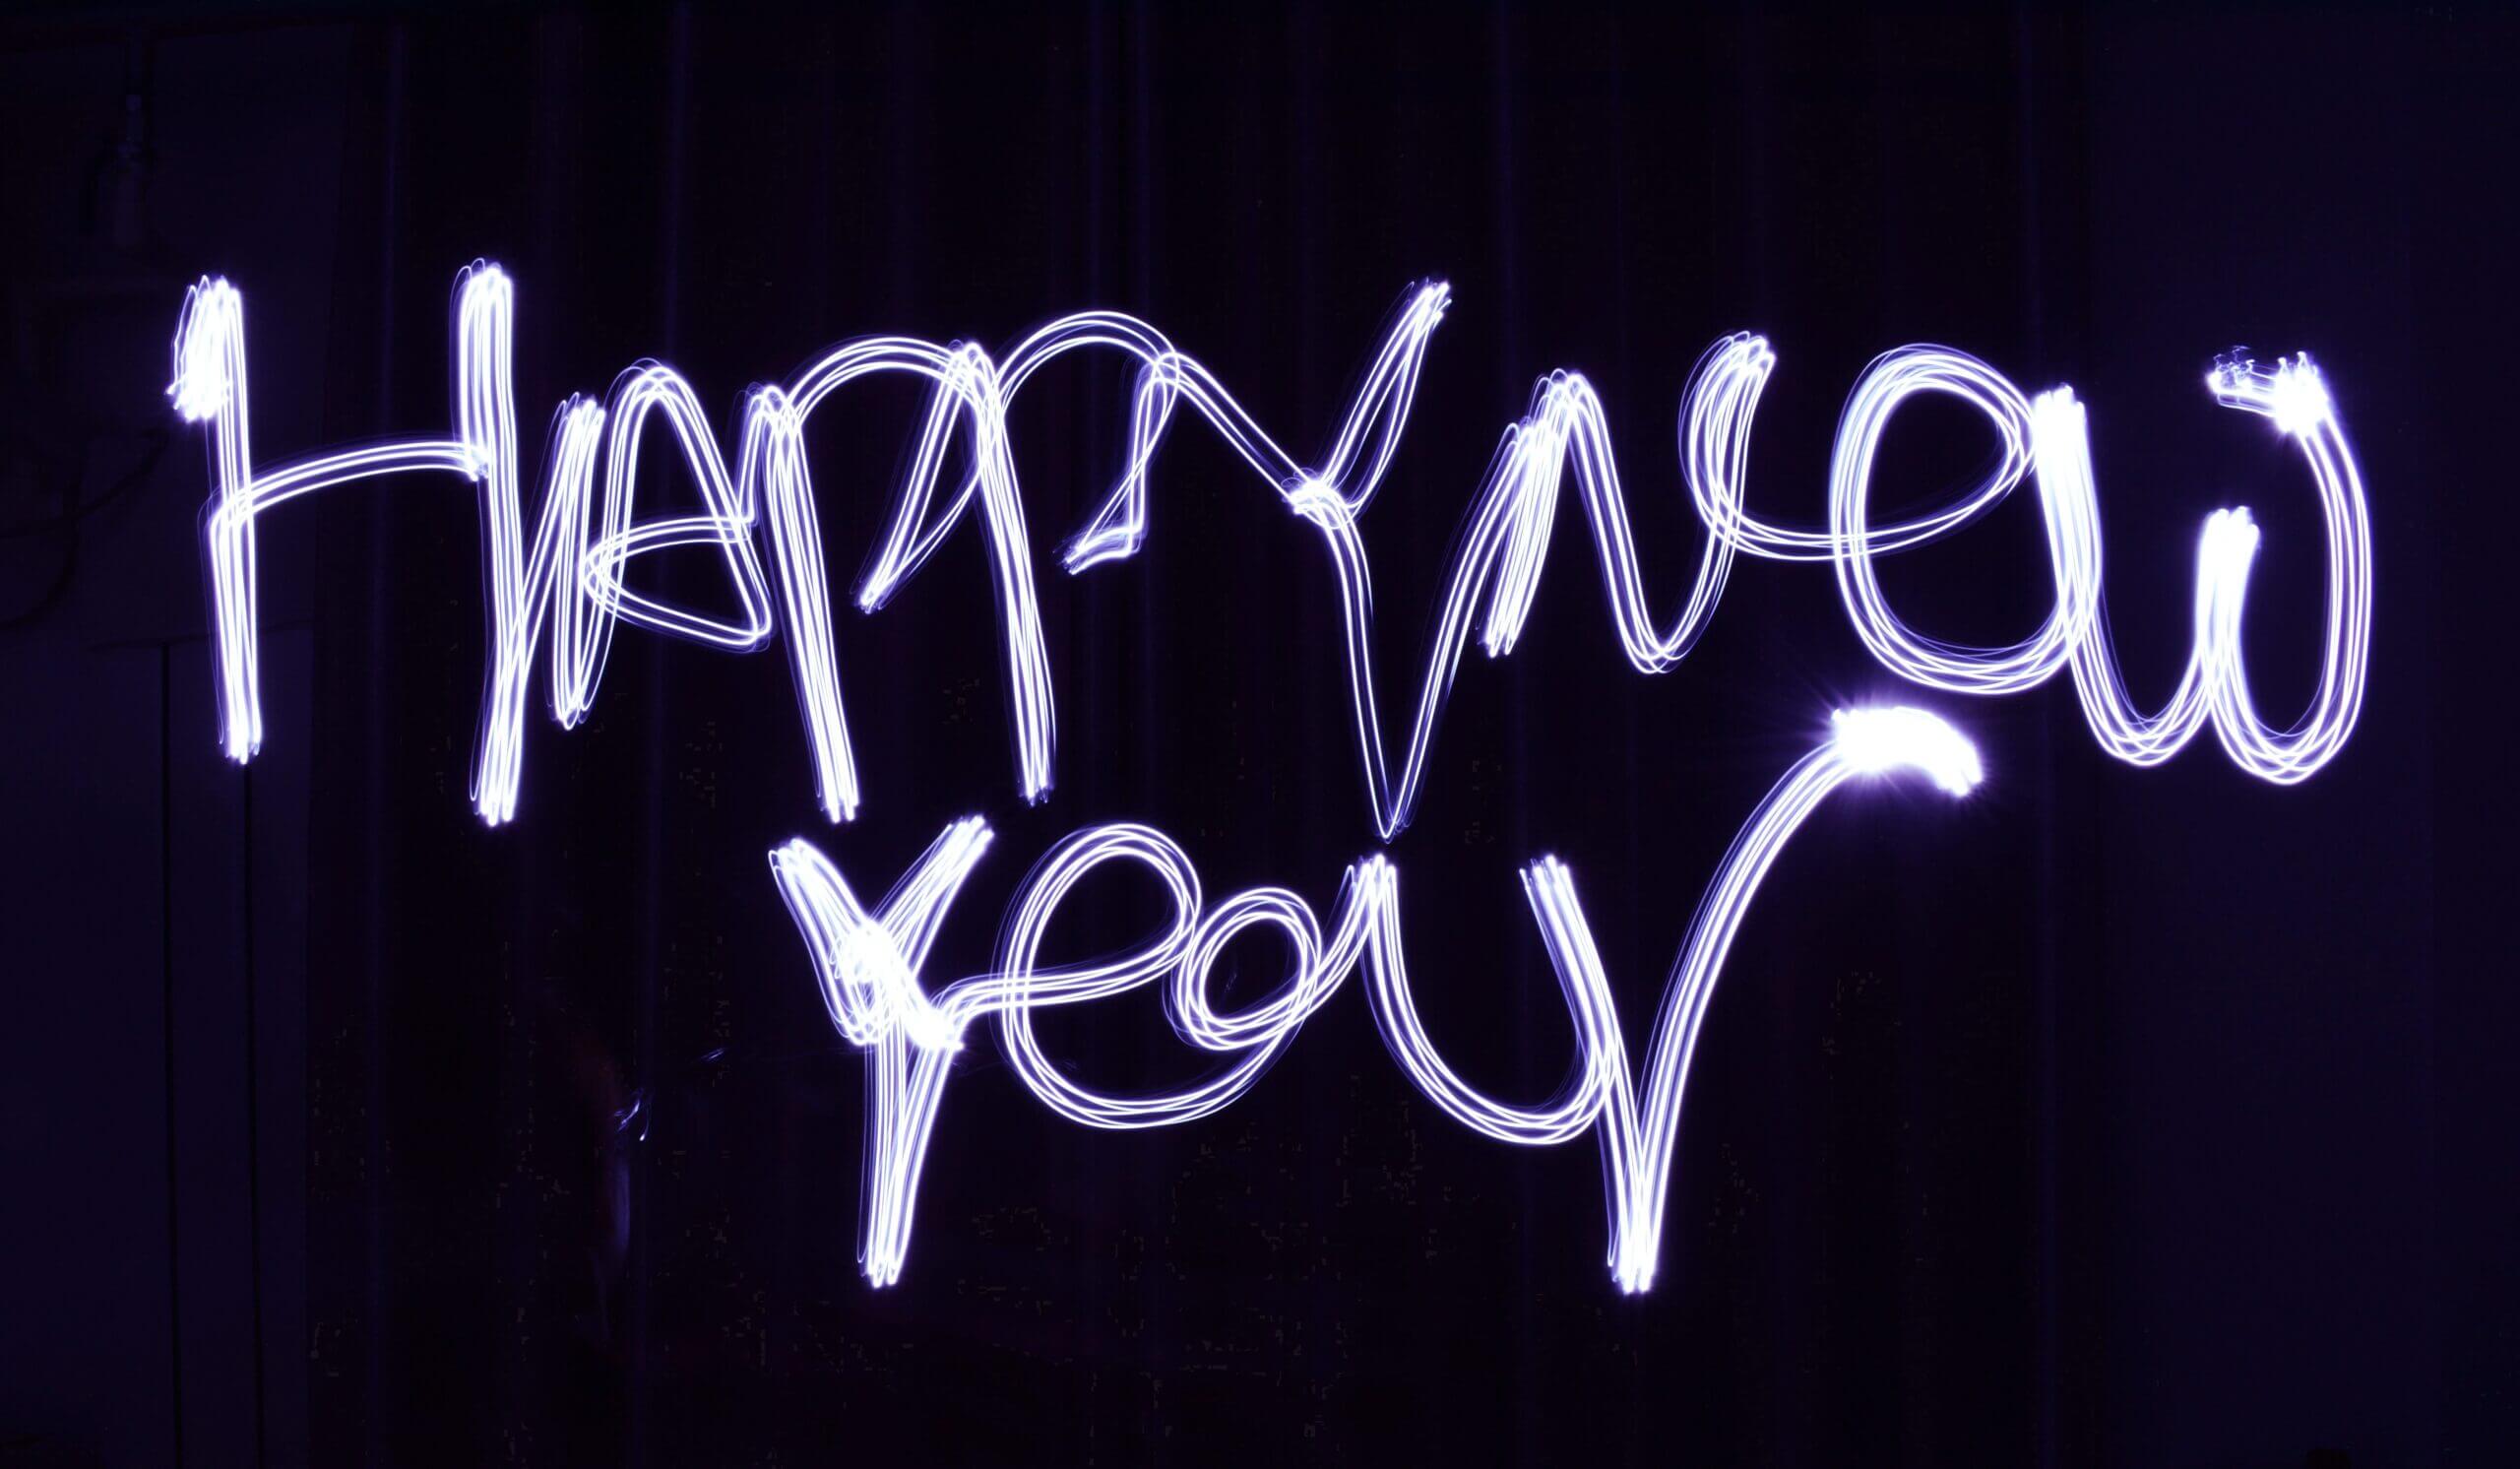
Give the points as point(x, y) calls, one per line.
point(2114, 1116)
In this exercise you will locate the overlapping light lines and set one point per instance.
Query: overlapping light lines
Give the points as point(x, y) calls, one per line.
point(567, 578)
point(868, 963)
point(570, 574)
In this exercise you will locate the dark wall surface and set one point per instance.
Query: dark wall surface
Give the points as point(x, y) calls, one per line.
point(2113, 1117)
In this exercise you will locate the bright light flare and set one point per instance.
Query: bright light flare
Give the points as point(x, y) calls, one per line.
point(1876, 741)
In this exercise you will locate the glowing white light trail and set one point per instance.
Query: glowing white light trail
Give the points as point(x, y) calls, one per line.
point(867, 964)
point(570, 575)
point(1638, 1136)
point(571, 572)
point(567, 578)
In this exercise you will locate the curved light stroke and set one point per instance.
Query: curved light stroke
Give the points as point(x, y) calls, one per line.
point(1639, 1136)
point(867, 964)
point(571, 571)
point(571, 575)
point(1495, 568)
point(2214, 688)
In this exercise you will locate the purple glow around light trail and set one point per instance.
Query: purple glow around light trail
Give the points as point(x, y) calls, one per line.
point(569, 575)
point(867, 962)
point(566, 578)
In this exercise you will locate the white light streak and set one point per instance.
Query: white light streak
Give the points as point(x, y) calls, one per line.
point(2214, 687)
point(572, 570)
point(567, 578)
point(1638, 1136)
point(867, 966)
point(571, 574)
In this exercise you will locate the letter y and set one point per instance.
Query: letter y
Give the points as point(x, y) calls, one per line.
point(867, 964)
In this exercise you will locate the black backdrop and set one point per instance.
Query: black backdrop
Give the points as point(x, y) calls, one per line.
point(2111, 1117)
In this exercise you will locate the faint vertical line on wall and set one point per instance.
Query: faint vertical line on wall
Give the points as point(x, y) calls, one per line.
point(1148, 751)
point(375, 719)
point(653, 879)
point(2046, 1130)
point(166, 1016)
point(1508, 60)
point(253, 1107)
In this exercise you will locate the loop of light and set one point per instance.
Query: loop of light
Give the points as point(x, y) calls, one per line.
point(867, 962)
point(567, 577)
point(571, 573)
